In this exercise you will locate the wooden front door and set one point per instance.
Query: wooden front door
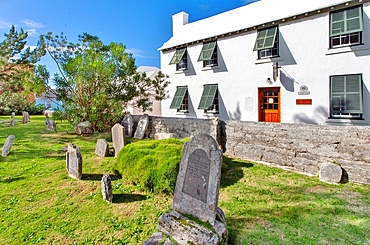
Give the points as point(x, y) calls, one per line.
point(269, 104)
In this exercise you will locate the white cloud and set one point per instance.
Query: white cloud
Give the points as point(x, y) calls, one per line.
point(32, 24)
point(5, 24)
point(135, 52)
point(32, 32)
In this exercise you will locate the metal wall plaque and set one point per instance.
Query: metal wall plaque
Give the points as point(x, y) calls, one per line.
point(303, 101)
point(197, 175)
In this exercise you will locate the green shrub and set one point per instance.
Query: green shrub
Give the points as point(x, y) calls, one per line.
point(151, 164)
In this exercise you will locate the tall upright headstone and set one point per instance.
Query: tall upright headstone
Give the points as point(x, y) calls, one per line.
point(118, 138)
point(102, 148)
point(74, 161)
point(128, 123)
point(142, 127)
point(12, 115)
point(12, 123)
point(7, 145)
point(196, 194)
point(198, 181)
point(25, 117)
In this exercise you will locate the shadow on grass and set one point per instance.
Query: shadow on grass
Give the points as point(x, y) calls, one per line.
point(232, 170)
point(99, 177)
point(9, 180)
point(126, 198)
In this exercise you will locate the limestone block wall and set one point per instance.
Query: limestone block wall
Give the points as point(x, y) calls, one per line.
point(302, 147)
point(299, 147)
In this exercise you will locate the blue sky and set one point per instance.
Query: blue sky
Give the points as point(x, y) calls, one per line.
point(141, 25)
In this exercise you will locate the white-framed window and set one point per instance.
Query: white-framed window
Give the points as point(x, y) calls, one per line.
point(180, 58)
point(209, 54)
point(346, 27)
point(346, 96)
point(267, 43)
point(209, 100)
point(180, 101)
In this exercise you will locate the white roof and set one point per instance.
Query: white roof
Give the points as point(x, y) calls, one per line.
point(149, 70)
point(250, 15)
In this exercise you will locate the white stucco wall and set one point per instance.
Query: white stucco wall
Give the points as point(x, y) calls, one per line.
point(304, 56)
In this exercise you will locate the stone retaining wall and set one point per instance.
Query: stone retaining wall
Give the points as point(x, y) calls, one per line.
point(298, 147)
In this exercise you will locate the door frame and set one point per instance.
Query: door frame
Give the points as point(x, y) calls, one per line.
point(260, 102)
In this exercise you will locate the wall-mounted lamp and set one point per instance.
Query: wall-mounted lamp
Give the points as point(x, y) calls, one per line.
point(275, 71)
point(268, 80)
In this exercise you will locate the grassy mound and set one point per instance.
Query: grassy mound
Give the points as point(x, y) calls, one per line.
point(151, 164)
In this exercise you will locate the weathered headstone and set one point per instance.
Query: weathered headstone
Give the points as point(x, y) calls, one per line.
point(7, 145)
point(106, 188)
point(12, 123)
point(118, 138)
point(198, 181)
point(50, 125)
point(13, 115)
point(84, 128)
point(196, 194)
point(74, 161)
point(330, 173)
point(25, 117)
point(142, 127)
point(102, 148)
point(128, 123)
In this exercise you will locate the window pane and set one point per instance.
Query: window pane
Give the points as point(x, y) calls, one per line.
point(177, 56)
point(338, 28)
point(338, 16)
point(207, 96)
point(337, 85)
point(353, 25)
point(265, 38)
point(353, 102)
point(352, 84)
point(353, 13)
point(207, 51)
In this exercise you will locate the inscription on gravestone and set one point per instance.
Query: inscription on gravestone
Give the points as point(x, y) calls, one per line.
point(197, 175)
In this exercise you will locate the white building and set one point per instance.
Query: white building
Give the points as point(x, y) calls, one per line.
point(273, 60)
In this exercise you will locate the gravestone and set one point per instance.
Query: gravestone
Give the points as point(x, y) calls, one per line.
point(196, 194)
point(84, 128)
point(142, 127)
point(7, 145)
point(25, 117)
point(128, 123)
point(12, 123)
point(162, 136)
point(118, 138)
point(102, 148)
point(74, 161)
point(106, 188)
point(50, 125)
point(330, 173)
point(12, 115)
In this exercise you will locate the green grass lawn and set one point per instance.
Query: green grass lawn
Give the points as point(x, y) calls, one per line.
point(40, 204)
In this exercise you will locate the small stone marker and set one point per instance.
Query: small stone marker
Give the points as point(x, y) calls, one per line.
point(330, 173)
point(12, 123)
point(196, 193)
point(25, 117)
point(50, 125)
point(12, 115)
point(102, 148)
point(162, 136)
point(106, 188)
point(128, 123)
point(118, 138)
point(7, 145)
point(74, 161)
point(84, 128)
point(142, 126)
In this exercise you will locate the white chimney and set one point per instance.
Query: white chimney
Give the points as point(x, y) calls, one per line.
point(179, 20)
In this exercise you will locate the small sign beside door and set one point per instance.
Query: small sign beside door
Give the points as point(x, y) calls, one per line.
point(303, 101)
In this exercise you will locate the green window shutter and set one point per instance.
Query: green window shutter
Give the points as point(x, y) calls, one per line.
point(178, 98)
point(177, 56)
point(346, 94)
point(265, 38)
point(207, 51)
point(354, 94)
point(346, 21)
point(208, 96)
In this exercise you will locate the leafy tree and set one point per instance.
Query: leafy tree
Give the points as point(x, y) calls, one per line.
point(16, 70)
point(97, 80)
